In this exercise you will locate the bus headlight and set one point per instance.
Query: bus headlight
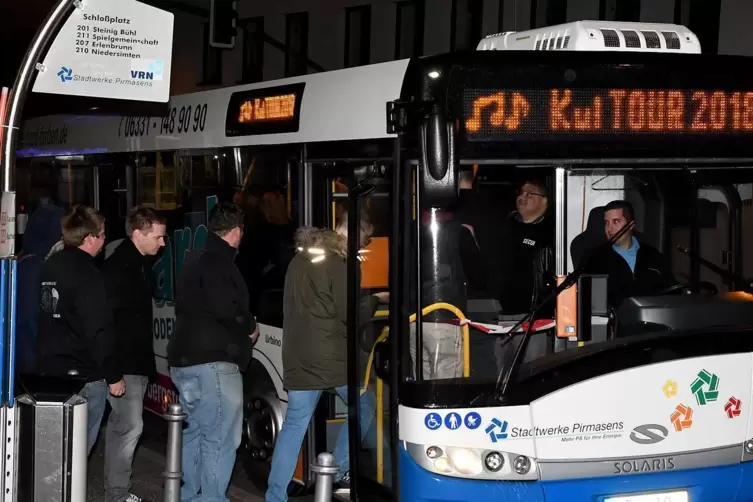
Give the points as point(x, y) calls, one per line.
point(465, 461)
point(473, 463)
point(522, 465)
point(494, 461)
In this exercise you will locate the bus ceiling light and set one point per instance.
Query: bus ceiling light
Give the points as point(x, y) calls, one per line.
point(434, 452)
point(434, 74)
point(522, 465)
point(494, 461)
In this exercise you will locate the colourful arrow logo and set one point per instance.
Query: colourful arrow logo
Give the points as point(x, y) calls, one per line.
point(733, 407)
point(682, 417)
point(670, 388)
point(697, 387)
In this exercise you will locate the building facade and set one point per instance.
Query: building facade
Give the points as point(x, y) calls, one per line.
point(293, 37)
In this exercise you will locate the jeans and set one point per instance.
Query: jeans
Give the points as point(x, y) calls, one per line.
point(212, 397)
point(301, 407)
point(96, 396)
point(124, 429)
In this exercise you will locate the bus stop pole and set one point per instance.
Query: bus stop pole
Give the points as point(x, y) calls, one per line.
point(21, 87)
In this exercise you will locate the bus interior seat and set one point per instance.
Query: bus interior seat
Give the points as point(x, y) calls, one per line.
point(591, 237)
point(713, 236)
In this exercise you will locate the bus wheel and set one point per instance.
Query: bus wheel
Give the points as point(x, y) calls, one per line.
point(261, 424)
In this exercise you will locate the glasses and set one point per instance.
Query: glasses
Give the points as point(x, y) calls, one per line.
point(526, 193)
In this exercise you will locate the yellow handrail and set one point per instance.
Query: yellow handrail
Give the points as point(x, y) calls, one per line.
point(380, 386)
point(426, 310)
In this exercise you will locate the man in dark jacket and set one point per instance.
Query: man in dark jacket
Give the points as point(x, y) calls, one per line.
point(314, 347)
point(75, 321)
point(527, 232)
point(634, 268)
point(129, 282)
point(213, 341)
point(42, 232)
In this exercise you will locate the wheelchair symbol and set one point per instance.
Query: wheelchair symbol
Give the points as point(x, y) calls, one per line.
point(433, 421)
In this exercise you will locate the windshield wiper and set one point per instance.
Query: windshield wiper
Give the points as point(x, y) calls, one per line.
point(570, 279)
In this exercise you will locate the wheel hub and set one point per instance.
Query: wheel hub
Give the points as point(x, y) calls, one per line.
point(259, 428)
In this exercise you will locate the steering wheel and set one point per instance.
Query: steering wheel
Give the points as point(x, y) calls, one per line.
point(687, 288)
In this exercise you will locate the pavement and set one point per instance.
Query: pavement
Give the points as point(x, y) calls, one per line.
point(149, 464)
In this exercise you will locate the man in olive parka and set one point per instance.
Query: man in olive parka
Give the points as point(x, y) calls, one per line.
point(314, 349)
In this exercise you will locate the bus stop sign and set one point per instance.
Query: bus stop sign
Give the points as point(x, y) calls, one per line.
point(116, 49)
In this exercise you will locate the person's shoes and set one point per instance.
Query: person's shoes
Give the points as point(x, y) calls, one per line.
point(343, 485)
point(132, 498)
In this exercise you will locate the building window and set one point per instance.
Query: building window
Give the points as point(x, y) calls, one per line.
point(556, 12)
point(466, 26)
point(501, 17)
point(357, 36)
point(703, 20)
point(296, 44)
point(253, 50)
point(211, 73)
point(620, 10)
point(410, 29)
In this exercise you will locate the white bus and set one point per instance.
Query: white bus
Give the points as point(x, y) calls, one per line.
point(302, 150)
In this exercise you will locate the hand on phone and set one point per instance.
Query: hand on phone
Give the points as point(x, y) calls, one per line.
point(117, 389)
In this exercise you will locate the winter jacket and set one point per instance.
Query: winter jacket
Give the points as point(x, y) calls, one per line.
point(75, 322)
point(129, 283)
point(314, 346)
point(212, 319)
point(42, 232)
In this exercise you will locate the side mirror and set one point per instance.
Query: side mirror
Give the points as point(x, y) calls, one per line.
point(439, 175)
point(382, 360)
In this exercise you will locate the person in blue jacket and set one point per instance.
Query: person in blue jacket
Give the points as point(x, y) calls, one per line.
point(42, 233)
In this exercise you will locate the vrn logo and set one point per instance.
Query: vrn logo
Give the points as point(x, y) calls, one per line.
point(142, 75)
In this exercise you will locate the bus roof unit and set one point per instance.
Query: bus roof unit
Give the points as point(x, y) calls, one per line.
point(598, 36)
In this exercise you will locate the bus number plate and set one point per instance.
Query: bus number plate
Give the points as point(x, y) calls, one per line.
point(681, 496)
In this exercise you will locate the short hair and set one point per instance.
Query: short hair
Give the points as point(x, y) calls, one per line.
point(540, 184)
point(80, 223)
point(627, 209)
point(142, 218)
point(225, 217)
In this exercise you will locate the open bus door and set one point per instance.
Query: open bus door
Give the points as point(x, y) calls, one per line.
point(369, 420)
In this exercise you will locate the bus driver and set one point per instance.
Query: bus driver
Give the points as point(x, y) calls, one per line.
point(634, 268)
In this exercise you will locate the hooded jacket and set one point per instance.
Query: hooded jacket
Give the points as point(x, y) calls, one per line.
point(315, 304)
point(42, 233)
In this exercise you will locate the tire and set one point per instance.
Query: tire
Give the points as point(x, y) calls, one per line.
point(262, 420)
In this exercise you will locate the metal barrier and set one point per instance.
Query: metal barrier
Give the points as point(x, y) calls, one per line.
point(325, 474)
point(173, 474)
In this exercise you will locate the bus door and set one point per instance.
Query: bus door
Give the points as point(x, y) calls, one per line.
point(369, 419)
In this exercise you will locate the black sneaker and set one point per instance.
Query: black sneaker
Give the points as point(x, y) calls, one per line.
point(342, 486)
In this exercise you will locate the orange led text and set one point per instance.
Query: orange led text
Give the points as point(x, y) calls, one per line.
point(268, 108)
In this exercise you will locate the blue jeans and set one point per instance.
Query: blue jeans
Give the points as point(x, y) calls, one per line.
point(212, 397)
point(301, 407)
point(96, 397)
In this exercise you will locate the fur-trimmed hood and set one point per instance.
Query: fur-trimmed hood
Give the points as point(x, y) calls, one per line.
point(321, 241)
